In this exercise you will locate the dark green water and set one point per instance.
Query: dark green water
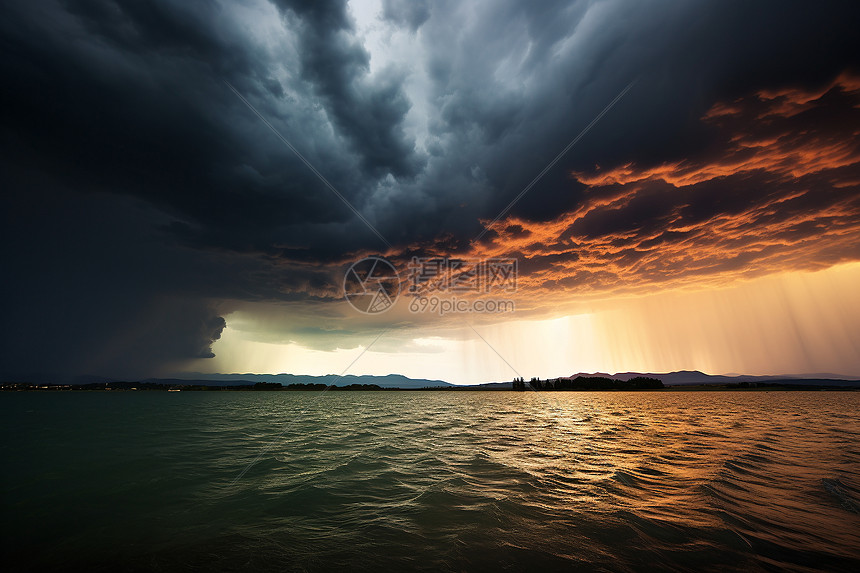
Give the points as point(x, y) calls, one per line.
point(450, 481)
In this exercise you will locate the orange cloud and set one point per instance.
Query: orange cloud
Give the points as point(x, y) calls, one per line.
point(792, 101)
point(783, 150)
point(782, 195)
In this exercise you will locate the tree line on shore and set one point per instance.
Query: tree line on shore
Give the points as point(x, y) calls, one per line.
point(588, 383)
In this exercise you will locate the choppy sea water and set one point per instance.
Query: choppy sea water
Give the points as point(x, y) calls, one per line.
point(437, 481)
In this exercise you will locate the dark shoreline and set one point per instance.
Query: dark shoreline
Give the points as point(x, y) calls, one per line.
point(153, 387)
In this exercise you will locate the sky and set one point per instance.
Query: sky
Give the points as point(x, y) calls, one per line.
point(186, 185)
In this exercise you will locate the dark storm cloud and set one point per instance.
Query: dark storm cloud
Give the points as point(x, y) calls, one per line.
point(134, 178)
point(89, 290)
point(408, 13)
point(336, 63)
point(683, 56)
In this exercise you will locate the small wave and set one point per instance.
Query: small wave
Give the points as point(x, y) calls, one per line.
point(839, 492)
point(626, 478)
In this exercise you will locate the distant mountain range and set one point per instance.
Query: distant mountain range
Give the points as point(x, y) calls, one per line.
point(390, 381)
point(680, 378)
point(694, 377)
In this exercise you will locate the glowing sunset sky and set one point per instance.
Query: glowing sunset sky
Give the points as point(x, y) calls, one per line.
point(710, 220)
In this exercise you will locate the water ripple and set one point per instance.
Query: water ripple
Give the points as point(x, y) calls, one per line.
point(439, 481)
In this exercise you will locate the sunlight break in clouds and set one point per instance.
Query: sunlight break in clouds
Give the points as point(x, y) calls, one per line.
point(799, 322)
